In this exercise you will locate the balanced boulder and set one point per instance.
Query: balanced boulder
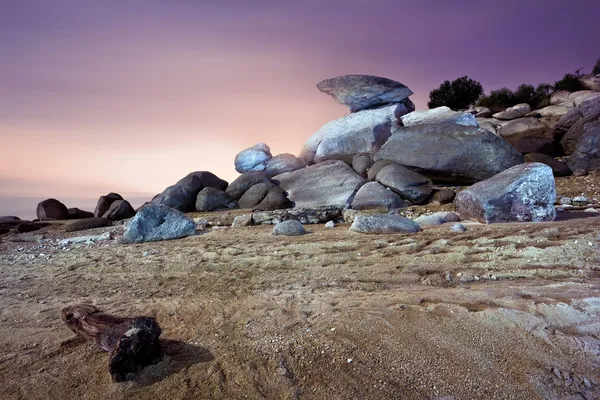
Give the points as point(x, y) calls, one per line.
point(408, 184)
point(330, 183)
point(439, 115)
point(156, 222)
point(522, 193)
point(254, 158)
point(210, 199)
point(104, 203)
point(373, 195)
point(360, 92)
point(363, 132)
point(284, 163)
point(449, 153)
point(119, 210)
point(384, 223)
point(52, 209)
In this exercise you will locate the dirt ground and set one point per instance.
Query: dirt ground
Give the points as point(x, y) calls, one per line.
point(507, 311)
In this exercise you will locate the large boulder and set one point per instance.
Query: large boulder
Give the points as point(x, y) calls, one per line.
point(408, 184)
point(559, 97)
point(363, 132)
point(514, 112)
point(177, 197)
point(558, 168)
point(529, 135)
point(284, 163)
point(119, 210)
point(550, 112)
point(450, 153)
point(51, 209)
point(77, 213)
point(254, 158)
point(275, 199)
point(586, 156)
point(376, 167)
point(104, 203)
point(156, 222)
point(439, 115)
point(330, 183)
point(589, 111)
point(384, 223)
point(210, 199)
point(254, 195)
point(194, 182)
point(577, 98)
point(522, 193)
point(360, 92)
point(244, 182)
point(373, 195)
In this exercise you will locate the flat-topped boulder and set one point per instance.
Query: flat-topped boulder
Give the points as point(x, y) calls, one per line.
point(360, 92)
point(522, 193)
point(330, 183)
point(439, 115)
point(449, 153)
point(363, 132)
point(514, 112)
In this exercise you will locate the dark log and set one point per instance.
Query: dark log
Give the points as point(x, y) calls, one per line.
point(132, 342)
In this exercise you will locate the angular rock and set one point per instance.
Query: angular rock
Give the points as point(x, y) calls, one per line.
point(408, 184)
point(376, 167)
point(529, 135)
point(304, 215)
point(438, 218)
point(210, 199)
point(275, 199)
point(244, 182)
point(439, 115)
point(384, 223)
point(361, 164)
point(558, 168)
point(282, 163)
point(51, 209)
point(330, 183)
point(522, 193)
point(449, 152)
point(104, 203)
point(589, 111)
point(290, 227)
point(586, 156)
point(156, 222)
point(194, 182)
point(373, 195)
point(88, 223)
point(76, 213)
point(514, 112)
point(254, 195)
point(177, 197)
point(361, 92)
point(254, 158)
point(242, 221)
point(119, 210)
point(363, 132)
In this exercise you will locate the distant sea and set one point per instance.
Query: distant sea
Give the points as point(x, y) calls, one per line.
point(24, 207)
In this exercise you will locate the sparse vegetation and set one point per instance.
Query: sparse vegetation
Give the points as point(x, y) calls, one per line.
point(570, 83)
point(596, 69)
point(536, 97)
point(458, 94)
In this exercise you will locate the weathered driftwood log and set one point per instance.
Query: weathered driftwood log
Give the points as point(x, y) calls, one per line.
point(132, 342)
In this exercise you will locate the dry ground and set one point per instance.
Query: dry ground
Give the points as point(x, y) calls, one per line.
point(509, 311)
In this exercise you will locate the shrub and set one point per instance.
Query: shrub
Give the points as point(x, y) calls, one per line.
point(498, 100)
point(596, 69)
point(503, 98)
point(570, 83)
point(458, 94)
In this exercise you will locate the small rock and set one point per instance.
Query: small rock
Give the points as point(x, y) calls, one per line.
point(566, 200)
point(591, 210)
point(384, 223)
point(458, 228)
point(289, 228)
point(330, 224)
point(580, 200)
point(242, 221)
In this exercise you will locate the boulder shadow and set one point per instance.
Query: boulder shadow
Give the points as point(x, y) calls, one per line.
point(177, 356)
point(569, 215)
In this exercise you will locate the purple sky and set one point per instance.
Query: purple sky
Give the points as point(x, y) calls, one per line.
point(130, 95)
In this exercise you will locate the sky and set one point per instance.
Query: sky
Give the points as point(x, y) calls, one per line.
point(129, 96)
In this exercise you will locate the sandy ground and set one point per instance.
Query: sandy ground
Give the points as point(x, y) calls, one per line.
point(509, 311)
